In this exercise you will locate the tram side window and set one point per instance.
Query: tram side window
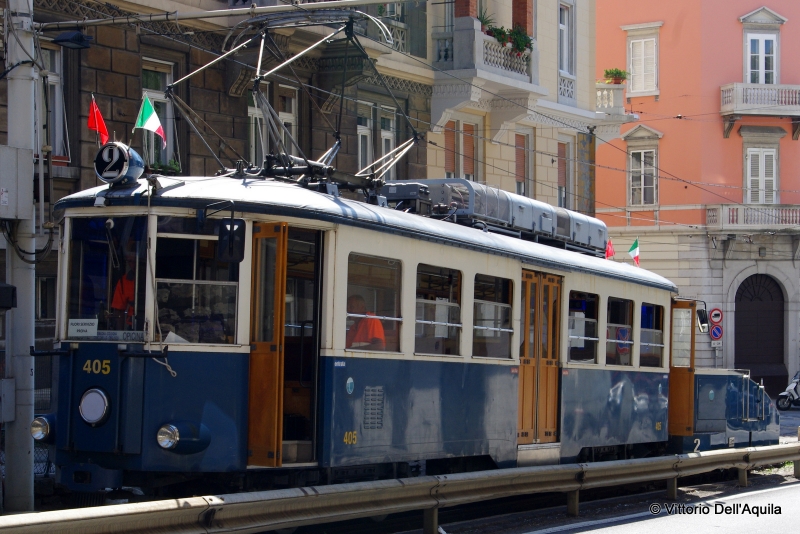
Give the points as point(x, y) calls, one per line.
point(583, 327)
point(652, 336)
point(619, 332)
point(491, 334)
point(107, 264)
point(373, 303)
point(438, 324)
point(195, 293)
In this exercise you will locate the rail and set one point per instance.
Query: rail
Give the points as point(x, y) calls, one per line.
point(268, 510)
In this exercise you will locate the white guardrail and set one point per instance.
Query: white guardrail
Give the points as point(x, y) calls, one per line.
point(267, 510)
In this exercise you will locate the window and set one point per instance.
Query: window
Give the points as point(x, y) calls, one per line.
point(52, 61)
point(565, 39)
point(619, 332)
point(388, 139)
point(106, 278)
point(364, 129)
point(642, 66)
point(651, 351)
point(45, 297)
point(761, 60)
point(256, 132)
point(583, 327)
point(522, 169)
point(287, 112)
point(460, 150)
point(373, 303)
point(491, 335)
point(644, 183)
point(642, 52)
point(761, 179)
point(438, 327)
point(156, 76)
point(195, 293)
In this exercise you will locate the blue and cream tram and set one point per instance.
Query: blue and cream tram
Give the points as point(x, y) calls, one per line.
point(221, 347)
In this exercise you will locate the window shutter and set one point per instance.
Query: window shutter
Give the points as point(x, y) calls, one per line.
point(754, 175)
point(769, 176)
point(562, 165)
point(450, 147)
point(521, 157)
point(637, 56)
point(649, 65)
point(469, 149)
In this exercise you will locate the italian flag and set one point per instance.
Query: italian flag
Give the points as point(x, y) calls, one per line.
point(634, 252)
point(148, 120)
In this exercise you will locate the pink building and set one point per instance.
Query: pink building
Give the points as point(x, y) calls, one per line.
point(708, 178)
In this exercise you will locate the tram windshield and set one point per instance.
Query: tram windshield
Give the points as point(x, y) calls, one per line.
point(106, 279)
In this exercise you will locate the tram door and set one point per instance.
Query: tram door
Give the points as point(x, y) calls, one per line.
point(538, 371)
point(265, 437)
point(681, 369)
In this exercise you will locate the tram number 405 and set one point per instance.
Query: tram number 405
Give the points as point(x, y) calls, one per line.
point(97, 367)
point(350, 438)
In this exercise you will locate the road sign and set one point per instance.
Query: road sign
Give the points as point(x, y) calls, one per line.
point(716, 332)
point(716, 343)
point(715, 316)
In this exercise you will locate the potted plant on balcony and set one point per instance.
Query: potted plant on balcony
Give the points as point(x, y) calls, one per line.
point(501, 34)
point(615, 76)
point(521, 42)
point(486, 20)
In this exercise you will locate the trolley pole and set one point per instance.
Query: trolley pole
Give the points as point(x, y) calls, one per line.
point(20, 321)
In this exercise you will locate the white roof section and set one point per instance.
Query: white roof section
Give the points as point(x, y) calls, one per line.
point(288, 200)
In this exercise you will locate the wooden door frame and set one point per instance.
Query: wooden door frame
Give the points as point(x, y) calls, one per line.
point(681, 384)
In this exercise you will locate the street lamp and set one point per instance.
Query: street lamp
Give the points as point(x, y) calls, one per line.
point(74, 39)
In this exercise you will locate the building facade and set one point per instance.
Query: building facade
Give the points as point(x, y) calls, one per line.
point(708, 179)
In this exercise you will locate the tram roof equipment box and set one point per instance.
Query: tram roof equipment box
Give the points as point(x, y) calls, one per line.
point(509, 213)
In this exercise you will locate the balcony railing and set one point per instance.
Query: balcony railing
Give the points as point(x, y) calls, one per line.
point(760, 99)
point(609, 98)
point(751, 216)
point(468, 48)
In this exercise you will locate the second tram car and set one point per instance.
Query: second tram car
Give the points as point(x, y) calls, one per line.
point(307, 338)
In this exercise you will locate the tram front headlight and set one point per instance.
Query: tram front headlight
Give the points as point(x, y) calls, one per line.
point(168, 436)
point(40, 429)
point(94, 406)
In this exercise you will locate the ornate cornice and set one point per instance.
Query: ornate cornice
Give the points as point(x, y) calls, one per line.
point(77, 10)
point(399, 84)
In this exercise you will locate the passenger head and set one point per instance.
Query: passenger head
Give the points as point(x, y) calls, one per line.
point(356, 304)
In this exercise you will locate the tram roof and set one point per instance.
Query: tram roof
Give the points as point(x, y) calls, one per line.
point(287, 200)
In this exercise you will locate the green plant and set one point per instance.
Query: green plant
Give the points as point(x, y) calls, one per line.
point(381, 10)
point(520, 40)
point(501, 34)
point(615, 74)
point(485, 18)
point(173, 165)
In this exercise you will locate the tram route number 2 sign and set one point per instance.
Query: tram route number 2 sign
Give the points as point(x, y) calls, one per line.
point(716, 332)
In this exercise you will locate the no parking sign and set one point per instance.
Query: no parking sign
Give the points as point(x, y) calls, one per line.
point(716, 332)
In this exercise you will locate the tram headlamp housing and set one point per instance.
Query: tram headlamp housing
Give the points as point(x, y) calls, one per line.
point(168, 436)
point(94, 406)
point(41, 429)
point(183, 437)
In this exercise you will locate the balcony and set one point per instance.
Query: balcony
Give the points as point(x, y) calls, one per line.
point(727, 217)
point(738, 99)
point(610, 98)
point(484, 75)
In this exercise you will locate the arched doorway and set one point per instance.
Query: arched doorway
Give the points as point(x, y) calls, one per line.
point(759, 332)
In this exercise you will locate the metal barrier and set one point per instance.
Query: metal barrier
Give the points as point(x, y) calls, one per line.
point(266, 510)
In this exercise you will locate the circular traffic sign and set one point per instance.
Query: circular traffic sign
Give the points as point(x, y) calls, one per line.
point(716, 332)
point(715, 316)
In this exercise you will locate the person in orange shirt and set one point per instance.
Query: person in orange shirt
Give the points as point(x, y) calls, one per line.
point(365, 332)
point(125, 295)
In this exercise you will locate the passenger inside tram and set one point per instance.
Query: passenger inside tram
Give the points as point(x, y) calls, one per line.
point(365, 332)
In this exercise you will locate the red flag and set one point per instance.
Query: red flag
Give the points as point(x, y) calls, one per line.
point(609, 249)
point(97, 123)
